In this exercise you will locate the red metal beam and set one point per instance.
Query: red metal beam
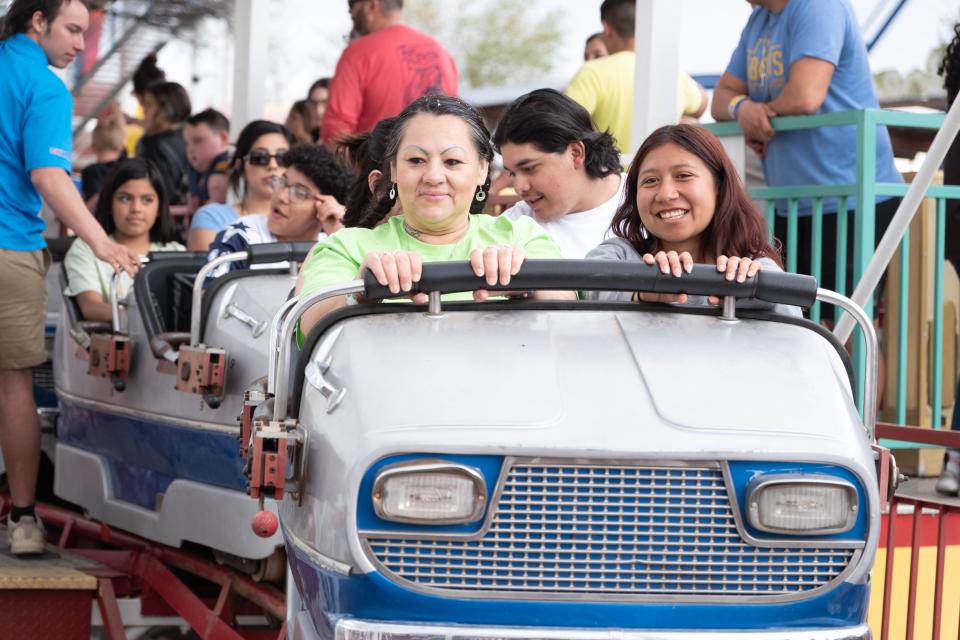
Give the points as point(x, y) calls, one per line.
point(888, 572)
point(937, 437)
point(187, 605)
point(110, 610)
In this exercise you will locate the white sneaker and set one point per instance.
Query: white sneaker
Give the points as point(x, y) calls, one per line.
point(948, 482)
point(26, 536)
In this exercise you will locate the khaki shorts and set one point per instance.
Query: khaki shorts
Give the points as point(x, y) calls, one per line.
point(23, 307)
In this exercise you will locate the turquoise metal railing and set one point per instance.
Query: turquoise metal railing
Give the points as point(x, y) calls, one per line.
point(863, 193)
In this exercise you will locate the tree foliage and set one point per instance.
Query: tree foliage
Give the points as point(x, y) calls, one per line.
point(494, 43)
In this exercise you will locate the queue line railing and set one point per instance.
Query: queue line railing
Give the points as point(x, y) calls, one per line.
point(860, 220)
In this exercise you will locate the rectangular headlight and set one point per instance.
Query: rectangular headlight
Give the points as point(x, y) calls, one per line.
point(429, 492)
point(801, 504)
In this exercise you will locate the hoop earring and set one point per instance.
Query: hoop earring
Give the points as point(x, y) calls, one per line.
point(393, 191)
point(643, 232)
point(481, 194)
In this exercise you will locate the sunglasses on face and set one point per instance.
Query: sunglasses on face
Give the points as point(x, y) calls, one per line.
point(298, 193)
point(261, 158)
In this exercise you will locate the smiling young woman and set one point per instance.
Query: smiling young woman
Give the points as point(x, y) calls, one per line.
point(685, 204)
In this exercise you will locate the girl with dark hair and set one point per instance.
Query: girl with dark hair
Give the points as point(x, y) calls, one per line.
point(566, 171)
point(685, 204)
point(133, 210)
point(438, 153)
point(366, 203)
point(257, 159)
point(166, 108)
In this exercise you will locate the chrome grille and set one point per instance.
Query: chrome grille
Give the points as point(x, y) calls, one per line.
point(605, 531)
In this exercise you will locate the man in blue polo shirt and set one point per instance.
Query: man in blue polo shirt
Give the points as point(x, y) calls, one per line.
point(35, 154)
point(799, 57)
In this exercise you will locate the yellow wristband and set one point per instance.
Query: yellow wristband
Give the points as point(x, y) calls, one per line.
point(734, 105)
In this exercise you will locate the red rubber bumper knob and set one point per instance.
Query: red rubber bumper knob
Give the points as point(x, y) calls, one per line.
point(265, 524)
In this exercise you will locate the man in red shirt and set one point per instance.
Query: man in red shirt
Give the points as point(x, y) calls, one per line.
point(389, 66)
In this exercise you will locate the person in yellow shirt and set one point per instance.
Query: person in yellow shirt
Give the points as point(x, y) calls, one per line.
point(604, 86)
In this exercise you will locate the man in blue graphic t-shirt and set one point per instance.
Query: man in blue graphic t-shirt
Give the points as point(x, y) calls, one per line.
point(35, 155)
point(799, 57)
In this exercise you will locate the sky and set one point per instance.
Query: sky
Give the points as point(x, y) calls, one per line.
point(307, 36)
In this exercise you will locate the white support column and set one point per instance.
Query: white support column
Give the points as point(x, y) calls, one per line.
point(658, 64)
point(251, 22)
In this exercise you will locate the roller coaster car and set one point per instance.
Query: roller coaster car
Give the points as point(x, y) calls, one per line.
point(531, 469)
point(147, 433)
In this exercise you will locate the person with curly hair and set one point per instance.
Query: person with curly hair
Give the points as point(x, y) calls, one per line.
point(305, 207)
point(949, 481)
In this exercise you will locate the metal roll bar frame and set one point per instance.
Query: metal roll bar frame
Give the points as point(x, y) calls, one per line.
point(285, 321)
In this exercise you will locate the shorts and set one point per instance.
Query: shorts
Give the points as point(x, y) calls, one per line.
point(23, 312)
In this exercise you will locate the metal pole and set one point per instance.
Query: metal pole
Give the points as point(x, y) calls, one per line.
point(656, 69)
point(901, 220)
point(252, 21)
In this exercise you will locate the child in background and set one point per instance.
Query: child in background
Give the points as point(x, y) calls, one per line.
point(133, 210)
point(109, 145)
point(207, 138)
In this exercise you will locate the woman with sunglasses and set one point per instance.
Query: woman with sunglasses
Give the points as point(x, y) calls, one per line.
point(305, 207)
point(257, 160)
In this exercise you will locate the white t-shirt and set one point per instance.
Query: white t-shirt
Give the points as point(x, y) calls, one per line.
point(577, 233)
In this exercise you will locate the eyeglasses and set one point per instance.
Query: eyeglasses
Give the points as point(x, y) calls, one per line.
point(298, 193)
point(261, 158)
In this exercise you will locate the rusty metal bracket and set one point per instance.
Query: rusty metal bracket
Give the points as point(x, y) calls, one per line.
point(252, 400)
point(888, 475)
point(202, 370)
point(278, 460)
point(110, 358)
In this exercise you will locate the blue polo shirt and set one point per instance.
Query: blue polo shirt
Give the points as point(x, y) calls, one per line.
point(35, 120)
point(826, 30)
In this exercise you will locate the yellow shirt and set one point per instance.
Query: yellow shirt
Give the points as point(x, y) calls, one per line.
point(604, 86)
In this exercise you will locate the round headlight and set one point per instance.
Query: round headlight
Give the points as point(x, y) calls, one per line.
point(801, 504)
point(429, 492)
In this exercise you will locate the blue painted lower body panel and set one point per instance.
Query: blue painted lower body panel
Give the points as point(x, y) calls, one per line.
point(330, 596)
point(144, 457)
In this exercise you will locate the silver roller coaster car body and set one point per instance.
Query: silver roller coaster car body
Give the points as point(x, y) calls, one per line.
point(148, 458)
point(575, 470)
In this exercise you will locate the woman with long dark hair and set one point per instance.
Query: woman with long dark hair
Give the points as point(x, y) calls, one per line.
point(685, 204)
point(257, 159)
point(134, 211)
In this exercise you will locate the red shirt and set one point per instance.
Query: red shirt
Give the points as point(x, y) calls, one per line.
point(380, 74)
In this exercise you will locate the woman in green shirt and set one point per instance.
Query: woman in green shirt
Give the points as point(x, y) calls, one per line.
point(439, 153)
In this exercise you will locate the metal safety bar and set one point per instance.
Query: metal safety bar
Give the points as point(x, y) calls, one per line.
point(114, 299)
point(274, 344)
point(195, 308)
point(286, 319)
point(114, 302)
point(871, 352)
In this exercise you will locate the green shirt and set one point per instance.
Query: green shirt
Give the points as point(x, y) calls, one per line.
point(337, 259)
